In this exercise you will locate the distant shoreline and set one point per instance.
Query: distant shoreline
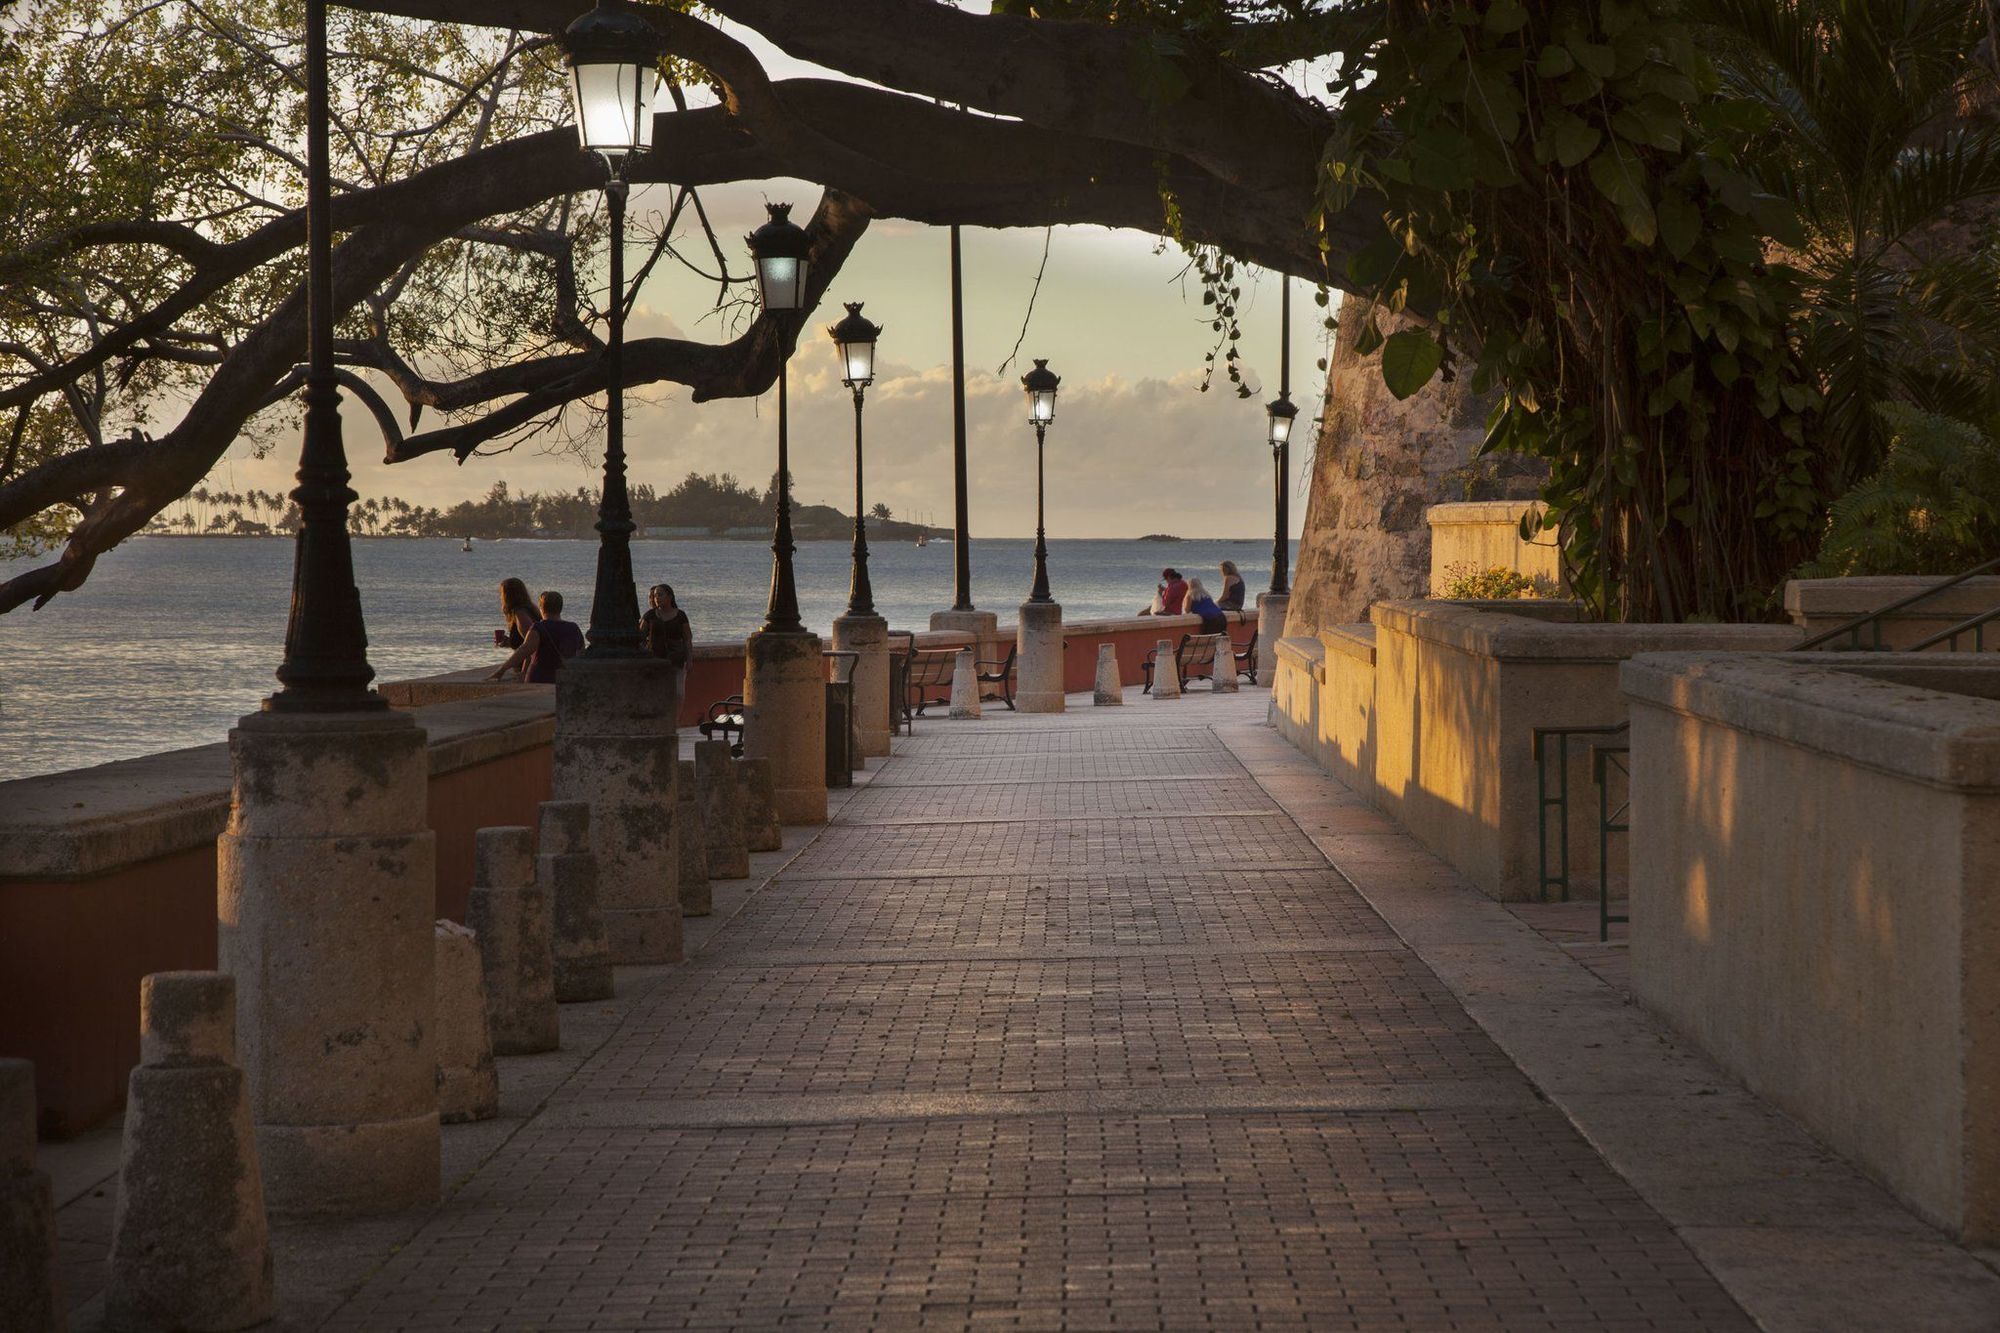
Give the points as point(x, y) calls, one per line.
point(939, 536)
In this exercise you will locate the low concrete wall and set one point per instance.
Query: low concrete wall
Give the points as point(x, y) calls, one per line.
point(110, 874)
point(1482, 534)
point(715, 672)
point(1818, 605)
point(1430, 714)
point(1295, 693)
point(1816, 899)
point(1132, 637)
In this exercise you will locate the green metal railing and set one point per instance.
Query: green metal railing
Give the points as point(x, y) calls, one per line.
point(1554, 741)
point(1871, 622)
point(1606, 759)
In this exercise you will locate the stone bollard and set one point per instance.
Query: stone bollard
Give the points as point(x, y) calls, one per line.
point(1038, 657)
point(468, 1087)
point(868, 636)
point(29, 1294)
point(326, 888)
point(784, 691)
point(566, 871)
point(1272, 608)
point(691, 830)
point(190, 1248)
point(721, 811)
point(761, 830)
point(1166, 672)
point(965, 685)
point(1110, 684)
point(512, 921)
point(1224, 680)
point(617, 746)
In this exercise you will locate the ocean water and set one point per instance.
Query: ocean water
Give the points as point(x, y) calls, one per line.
point(174, 638)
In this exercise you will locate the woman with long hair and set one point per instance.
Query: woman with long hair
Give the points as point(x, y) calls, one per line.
point(1232, 588)
point(518, 610)
point(1199, 603)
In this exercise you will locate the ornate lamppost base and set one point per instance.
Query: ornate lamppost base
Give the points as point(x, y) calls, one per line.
point(326, 894)
point(868, 636)
point(617, 746)
point(1038, 658)
point(784, 696)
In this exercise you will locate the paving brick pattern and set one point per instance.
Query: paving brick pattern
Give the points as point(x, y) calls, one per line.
point(1110, 956)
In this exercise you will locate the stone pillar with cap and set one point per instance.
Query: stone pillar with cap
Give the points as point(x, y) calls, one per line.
point(511, 918)
point(1038, 658)
point(326, 885)
point(30, 1295)
point(721, 811)
point(566, 871)
point(190, 1247)
point(965, 686)
point(784, 695)
point(468, 1084)
point(691, 837)
point(617, 747)
point(1271, 611)
point(1166, 671)
point(1110, 691)
point(1224, 679)
point(761, 830)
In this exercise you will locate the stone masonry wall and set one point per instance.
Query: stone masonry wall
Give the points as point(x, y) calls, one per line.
point(1379, 464)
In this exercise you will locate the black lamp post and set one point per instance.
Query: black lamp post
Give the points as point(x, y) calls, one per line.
point(1281, 413)
point(326, 645)
point(855, 338)
point(1040, 385)
point(613, 60)
point(783, 253)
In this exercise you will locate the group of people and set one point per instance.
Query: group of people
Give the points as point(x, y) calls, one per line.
point(1176, 596)
point(542, 640)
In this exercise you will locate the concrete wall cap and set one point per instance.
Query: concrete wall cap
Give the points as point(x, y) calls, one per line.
point(1861, 594)
point(1356, 641)
point(1849, 711)
point(88, 821)
point(1550, 631)
point(1480, 511)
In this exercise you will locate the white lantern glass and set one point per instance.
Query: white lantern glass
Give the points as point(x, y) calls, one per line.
point(614, 106)
point(1281, 429)
point(1041, 406)
point(781, 280)
point(859, 358)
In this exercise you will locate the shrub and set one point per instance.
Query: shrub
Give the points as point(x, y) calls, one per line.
point(1933, 507)
point(1464, 583)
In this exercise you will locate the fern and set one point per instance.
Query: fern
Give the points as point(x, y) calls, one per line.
point(1932, 507)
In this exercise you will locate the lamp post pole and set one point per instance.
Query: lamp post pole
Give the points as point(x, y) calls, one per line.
point(1281, 455)
point(614, 604)
point(961, 537)
point(860, 596)
point(781, 615)
point(1040, 592)
point(325, 669)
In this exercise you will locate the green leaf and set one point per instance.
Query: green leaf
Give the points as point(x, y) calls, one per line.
point(1505, 16)
point(1572, 137)
point(1598, 59)
point(1410, 358)
point(1680, 223)
point(1555, 62)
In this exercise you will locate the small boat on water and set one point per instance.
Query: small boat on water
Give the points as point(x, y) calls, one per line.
point(923, 539)
point(468, 545)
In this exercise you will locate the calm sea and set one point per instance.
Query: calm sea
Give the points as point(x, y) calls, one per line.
point(174, 638)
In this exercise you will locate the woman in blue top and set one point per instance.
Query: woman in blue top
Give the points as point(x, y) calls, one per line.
point(1199, 603)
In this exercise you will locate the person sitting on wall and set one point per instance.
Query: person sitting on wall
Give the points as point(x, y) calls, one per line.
point(1199, 603)
point(551, 642)
point(1173, 592)
point(1232, 588)
point(668, 634)
point(520, 613)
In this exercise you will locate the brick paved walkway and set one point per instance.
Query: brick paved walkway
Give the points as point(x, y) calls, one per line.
point(1061, 1024)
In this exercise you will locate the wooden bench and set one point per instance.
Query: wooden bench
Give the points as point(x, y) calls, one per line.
point(999, 671)
point(929, 679)
point(726, 717)
point(1193, 660)
point(1246, 659)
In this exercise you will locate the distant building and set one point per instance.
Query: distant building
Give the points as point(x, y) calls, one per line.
point(673, 532)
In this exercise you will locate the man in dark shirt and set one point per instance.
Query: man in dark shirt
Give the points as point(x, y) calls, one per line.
point(548, 645)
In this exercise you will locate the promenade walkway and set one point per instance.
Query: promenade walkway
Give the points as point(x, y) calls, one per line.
point(1069, 1022)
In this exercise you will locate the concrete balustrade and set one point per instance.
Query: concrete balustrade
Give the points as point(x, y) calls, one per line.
point(1431, 717)
point(1816, 899)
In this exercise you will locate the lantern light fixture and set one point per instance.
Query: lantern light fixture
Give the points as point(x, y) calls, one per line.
point(1040, 385)
point(1282, 411)
point(782, 250)
point(614, 76)
point(854, 336)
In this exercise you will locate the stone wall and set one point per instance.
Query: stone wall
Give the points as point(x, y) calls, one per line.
point(1378, 466)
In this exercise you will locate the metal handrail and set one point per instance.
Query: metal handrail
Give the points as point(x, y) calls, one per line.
point(1853, 627)
point(1972, 625)
point(1559, 802)
point(1604, 758)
